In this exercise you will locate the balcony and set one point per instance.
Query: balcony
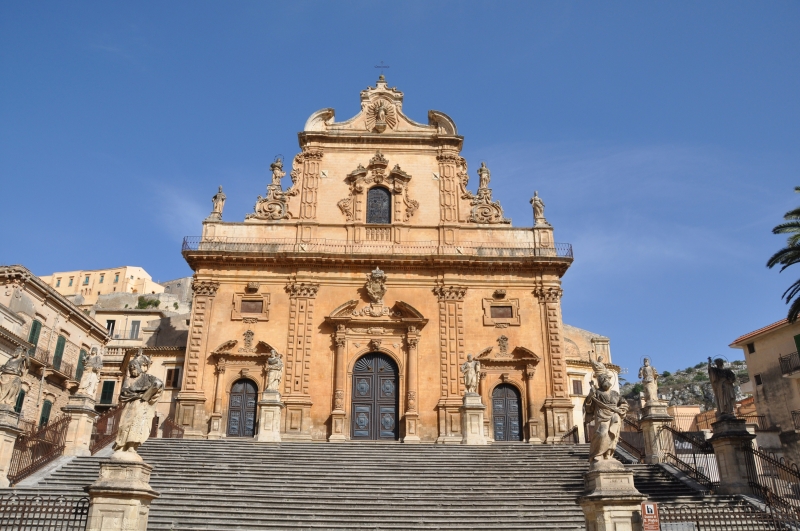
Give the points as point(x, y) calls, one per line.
point(43, 358)
point(790, 365)
point(134, 334)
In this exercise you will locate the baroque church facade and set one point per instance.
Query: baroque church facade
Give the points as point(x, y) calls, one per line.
point(374, 275)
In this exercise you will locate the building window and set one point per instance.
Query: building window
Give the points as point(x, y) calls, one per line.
point(86, 281)
point(751, 348)
point(173, 378)
point(135, 329)
point(58, 282)
point(70, 281)
point(502, 312)
point(757, 378)
point(101, 279)
point(33, 336)
point(20, 401)
point(379, 206)
point(107, 394)
point(116, 278)
point(110, 324)
point(577, 387)
point(45, 417)
point(797, 342)
point(252, 306)
point(59, 353)
point(81, 363)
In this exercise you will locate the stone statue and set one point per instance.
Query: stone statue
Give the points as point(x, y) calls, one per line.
point(219, 203)
point(722, 382)
point(11, 374)
point(274, 371)
point(608, 409)
point(471, 369)
point(538, 207)
point(649, 377)
point(380, 112)
point(91, 374)
point(598, 365)
point(277, 172)
point(484, 176)
point(140, 393)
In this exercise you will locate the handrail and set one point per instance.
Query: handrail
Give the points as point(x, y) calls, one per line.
point(691, 471)
point(571, 437)
point(694, 455)
point(789, 363)
point(171, 430)
point(32, 451)
point(772, 478)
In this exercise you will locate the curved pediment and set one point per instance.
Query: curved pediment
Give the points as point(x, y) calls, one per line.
point(345, 309)
point(407, 311)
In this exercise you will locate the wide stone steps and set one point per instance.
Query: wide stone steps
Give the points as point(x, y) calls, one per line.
point(243, 485)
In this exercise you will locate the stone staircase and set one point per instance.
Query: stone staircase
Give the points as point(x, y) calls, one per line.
point(238, 484)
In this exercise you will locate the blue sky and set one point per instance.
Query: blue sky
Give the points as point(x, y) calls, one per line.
point(663, 136)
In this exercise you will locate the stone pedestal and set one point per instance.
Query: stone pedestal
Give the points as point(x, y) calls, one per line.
point(269, 417)
point(729, 436)
point(472, 420)
point(412, 431)
point(215, 426)
point(79, 432)
point(8, 436)
point(120, 498)
point(654, 416)
point(611, 502)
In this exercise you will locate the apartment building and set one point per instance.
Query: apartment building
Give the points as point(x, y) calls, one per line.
point(84, 287)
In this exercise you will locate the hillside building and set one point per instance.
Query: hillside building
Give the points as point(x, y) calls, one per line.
point(84, 287)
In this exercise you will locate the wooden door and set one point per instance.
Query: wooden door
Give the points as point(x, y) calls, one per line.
point(506, 413)
point(242, 409)
point(374, 406)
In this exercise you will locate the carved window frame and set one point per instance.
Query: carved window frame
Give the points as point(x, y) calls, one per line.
point(488, 320)
point(239, 296)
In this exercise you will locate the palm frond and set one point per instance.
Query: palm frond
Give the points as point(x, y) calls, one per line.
point(784, 228)
point(794, 311)
point(792, 292)
point(786, 256)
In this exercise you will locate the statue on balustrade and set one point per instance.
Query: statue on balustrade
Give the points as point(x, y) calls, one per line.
point(649, 376)
point(608, 410)
point(11, 374)
point(274, 371)
point(91, 374)
point(722, 382)
point(140, 393)
point(471, 369)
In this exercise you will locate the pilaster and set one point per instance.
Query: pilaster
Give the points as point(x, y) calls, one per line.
point(297, 399)
point(8, 437)
point(534, 426)
point(82, 414)
point(312, 158)
point(215, 427)
point(339, 427)
point(412, 415)
point(451, 345)
point(448, 186)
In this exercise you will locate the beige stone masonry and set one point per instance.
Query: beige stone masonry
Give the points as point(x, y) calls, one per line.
point(79, 432)
point(8, 436)
point(120, 498)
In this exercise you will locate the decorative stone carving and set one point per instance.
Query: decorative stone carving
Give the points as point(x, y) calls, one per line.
point(374, 310)
point(362, 178)
point(538, 209)
point(248, 347)
point(218, 202)
point(649, 377)
point(380, 114)
point(471, 370)
point(274, 206)
point(608, 409)
point(375, 285)
point(450, 293)
point(548, 294)
point(302, 289)
point(274, 371)
point(411, 400)
point(375, 344)
point(91, 374)
point(252, 287)
point(502, 343)
point(338, 400)
point(249, 320)
point(140, 393)
point(722, 382)
point(484, 210)
point(205, 287)
point(11, 374)
point(499, 294)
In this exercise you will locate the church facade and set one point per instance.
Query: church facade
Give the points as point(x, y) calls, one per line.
point(374, 275)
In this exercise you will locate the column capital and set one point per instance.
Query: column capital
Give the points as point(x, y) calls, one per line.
point(306, 290)
point(205, 287)
point(450, 293)
point(548, 293)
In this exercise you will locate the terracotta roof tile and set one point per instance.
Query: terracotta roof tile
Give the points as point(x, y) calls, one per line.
point(758, 332)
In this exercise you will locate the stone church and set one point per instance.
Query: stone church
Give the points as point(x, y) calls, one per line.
point(374, 275)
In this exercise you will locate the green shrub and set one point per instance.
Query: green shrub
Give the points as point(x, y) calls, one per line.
point(145, 303)
point(666, 374)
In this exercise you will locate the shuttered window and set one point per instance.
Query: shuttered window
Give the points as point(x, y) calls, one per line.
point(20, 400)
point(107, 395)
point(59, 353)
point(81, 363)
point(33, 336)
point(45, 418)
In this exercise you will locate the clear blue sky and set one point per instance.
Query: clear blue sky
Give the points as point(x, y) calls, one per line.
point(663, 136)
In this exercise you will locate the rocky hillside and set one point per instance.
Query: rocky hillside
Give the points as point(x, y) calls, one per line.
point(688, 386)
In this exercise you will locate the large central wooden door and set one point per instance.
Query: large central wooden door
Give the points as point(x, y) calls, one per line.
point(506, 413)
point(242, 409)
point(374, 411)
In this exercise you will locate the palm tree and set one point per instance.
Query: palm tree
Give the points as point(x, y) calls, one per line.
point(789, 255)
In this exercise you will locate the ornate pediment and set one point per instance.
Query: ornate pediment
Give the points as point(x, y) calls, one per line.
point(362, 178)
point(520, 355)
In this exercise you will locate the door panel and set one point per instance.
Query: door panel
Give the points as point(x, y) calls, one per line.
point(374, 398)
point(506, 413)
point(242, 409)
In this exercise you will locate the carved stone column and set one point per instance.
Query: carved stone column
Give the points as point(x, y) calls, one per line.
point(312, 158)
point(451, 340)
point(191, 412)
point(412, 414)
point(296, 397)
point(534, 436)
point(216, 417)
point(338, 424)
point(557, 405)
point(82, 414)
point(448, 187)
point(8, 436)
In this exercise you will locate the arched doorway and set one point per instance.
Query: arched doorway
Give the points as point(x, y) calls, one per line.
point(506, 413)
point(242, 409)
point(374, 406)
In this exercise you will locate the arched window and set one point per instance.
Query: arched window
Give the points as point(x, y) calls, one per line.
point(379, 206)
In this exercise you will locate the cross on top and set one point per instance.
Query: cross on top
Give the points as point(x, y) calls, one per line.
point(381, 66)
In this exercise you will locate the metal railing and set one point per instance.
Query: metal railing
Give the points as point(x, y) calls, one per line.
point(171, 430)
point(775, 480)
point(689, 454)
point(759, 421)
point(789, 363)
point(731, 514)
point(35, 513)
point(42, 355)
point(342, 247)
point(132, 334)
point(33, 451)
point(105, 429)
point(632, 439)
point(571, 437)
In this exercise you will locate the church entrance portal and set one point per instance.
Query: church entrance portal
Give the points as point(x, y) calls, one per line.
point(242, 409)
point(374, 411)
point(506, 413)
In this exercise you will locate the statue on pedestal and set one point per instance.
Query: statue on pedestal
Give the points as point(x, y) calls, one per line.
point(649, 376)
point(471, 370)
point(277, 172)
point(11, 374)
point(218, 202)
point(722, 382)
point(140, 394)
point(484, 176)
point(538, 208)
point(608, 409)
point(274, 371)
point(91, 374)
